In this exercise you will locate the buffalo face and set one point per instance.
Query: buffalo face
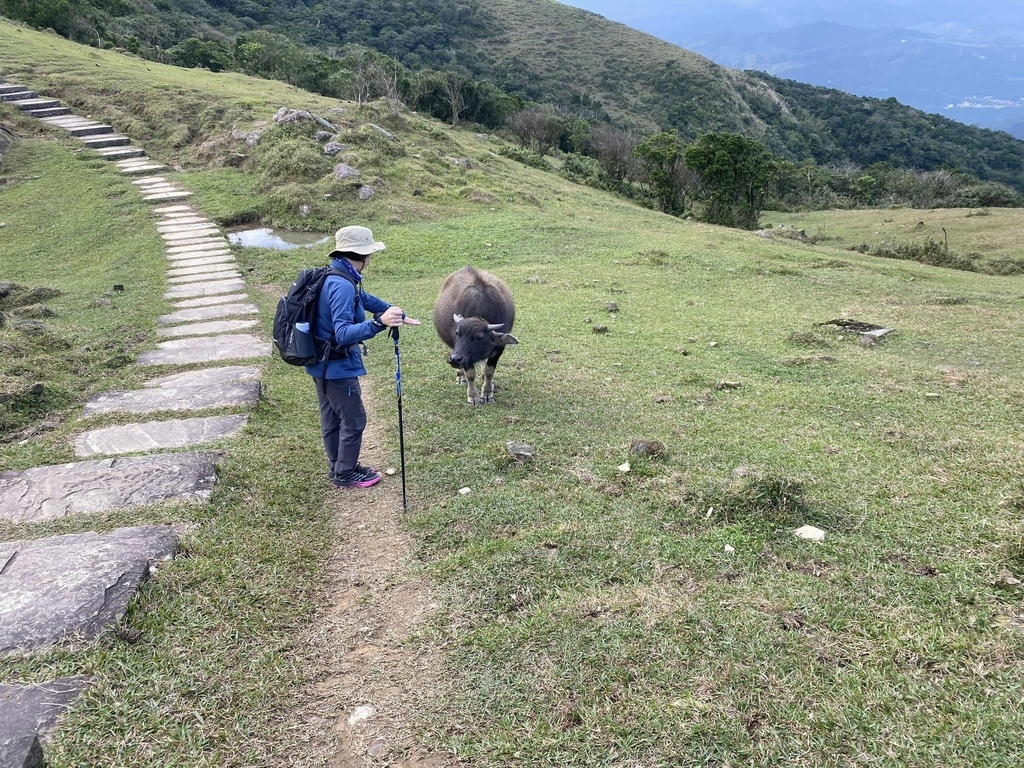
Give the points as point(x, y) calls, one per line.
point(477, 340)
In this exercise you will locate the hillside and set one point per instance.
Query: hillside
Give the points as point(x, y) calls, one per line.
point(635, 593)
point(545, 51)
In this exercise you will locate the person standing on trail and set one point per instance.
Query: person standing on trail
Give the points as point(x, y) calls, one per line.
point(341, 319)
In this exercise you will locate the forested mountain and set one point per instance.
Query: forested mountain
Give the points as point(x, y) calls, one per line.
point(542, 51)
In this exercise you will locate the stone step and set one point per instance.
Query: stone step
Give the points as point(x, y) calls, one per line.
point(208, 248)
point(6, 88)
point(63, 590)
point(205, 244)
point(28, 104)
point(225, 258)
point(205, 329)
point(145, 182)
point(222, 273)
point(111, 140)
point(44, 493)
point(225, 374)
point(96, 129)
point(119, 153)
point(21, 94)
point(193, 290)
point(167, 196)
point(208, 301)
point(158, 435)
point(173, 209)
point(204, 349)
point(141, 169)
point(30, 712)
point(203, 269)
point(187, 398)
point(49, 112)
point(190, 232)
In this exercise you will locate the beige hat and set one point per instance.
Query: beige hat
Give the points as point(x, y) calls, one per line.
point(356, 240)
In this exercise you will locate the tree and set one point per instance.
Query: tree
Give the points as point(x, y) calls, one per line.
point(614, 149)
point(537, 128)
point(452, 85)
point(662, 156)
point(195, 52)
point(735, 173)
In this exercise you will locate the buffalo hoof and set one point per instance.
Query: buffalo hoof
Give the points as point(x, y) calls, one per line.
point(489, 400)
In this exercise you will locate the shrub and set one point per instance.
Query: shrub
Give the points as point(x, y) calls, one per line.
point(525, 156)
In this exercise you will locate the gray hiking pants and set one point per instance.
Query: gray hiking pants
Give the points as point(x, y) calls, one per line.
point(342, 421)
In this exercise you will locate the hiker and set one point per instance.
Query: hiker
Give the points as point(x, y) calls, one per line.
point(341, 318)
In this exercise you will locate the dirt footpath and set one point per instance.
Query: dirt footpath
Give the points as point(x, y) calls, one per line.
point(372, 683)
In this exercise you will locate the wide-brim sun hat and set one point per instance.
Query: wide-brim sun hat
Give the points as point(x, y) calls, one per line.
point(356, 240)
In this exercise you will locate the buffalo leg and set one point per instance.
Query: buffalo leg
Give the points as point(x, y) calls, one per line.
point(472, 394)
point(488, 387)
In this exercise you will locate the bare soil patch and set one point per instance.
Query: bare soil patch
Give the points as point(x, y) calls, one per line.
point(370, 674)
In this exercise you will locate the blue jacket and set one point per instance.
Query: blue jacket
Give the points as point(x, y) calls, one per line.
point(340, 316)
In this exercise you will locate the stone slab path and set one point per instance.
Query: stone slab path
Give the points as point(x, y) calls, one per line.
point(45, 493)
point(28, 713)
point(70, 589)
point(158, 435)
point(73, 587)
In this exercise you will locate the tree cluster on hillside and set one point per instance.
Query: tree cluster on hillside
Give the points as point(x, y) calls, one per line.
point(445, 57)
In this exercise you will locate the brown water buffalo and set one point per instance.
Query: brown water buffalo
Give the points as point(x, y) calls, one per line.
point(473, 316)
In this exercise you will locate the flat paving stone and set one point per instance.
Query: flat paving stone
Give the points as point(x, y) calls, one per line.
point(190, 231)
point(30, 712)
point(196, 252)
point(173, 209)
point(204, 267)
point(168, 196)
point(225, 374)
point(158, 435)
point(203, 261)
point(44, 493)
point(203, 329)
point(140, 169)
point(213, 240)
point(206, 313)
point(149, 180)
point(70, 589)
point(206, 301)
point(203, 349)
point(178, 225)
point(184, 398)
point(223, 274)
point(204, 289)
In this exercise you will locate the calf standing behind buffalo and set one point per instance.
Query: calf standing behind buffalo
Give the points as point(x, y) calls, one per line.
point(473, 316)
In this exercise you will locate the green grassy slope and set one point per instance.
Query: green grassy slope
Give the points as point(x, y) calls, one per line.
point(591, 616)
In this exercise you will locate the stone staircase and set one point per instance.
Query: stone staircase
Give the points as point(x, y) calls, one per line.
point(98, 573)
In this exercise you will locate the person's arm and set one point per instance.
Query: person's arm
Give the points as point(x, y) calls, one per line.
point(341, 296)
point(386, 314)
point(374, 305)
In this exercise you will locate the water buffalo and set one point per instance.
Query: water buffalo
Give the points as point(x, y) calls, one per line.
point(473, 316)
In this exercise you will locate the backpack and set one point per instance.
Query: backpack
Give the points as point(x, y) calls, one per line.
point(299, 305)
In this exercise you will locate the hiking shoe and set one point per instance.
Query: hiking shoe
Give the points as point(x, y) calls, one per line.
point(367, 472)
point(354, 480)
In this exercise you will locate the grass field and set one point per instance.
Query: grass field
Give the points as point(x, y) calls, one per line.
point(662, 617)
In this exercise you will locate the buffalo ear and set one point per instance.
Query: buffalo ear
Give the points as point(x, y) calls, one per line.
point(507, 338)
point(458, 318)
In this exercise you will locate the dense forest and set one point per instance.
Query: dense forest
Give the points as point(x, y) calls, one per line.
point(466, 60)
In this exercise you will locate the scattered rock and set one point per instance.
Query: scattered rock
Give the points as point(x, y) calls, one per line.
point(101, 302)
point(521, 452)
point(932, 395)
point(1008, 580)
point(323, 136)
point(810, 533)
point(366, 192)
point(32, 327)
point(724, 385)
point(386, 134)
point(766, 234)
point(460, 162)
point(728, 549)
point(662, 398)
point(647, 448)
point(37, 389)
point(343, 171)
point(284, 115)
point(304, 211)
point(332, 148)
point(377, 749)
point(534, 279)
point(713, 344)
point(624, 467)
point(253, 138)
point(611, 306)
point(600, 329)
point(588, 320)
point(684, 351)
point(7, 288)
point(465, 491)
point(390, 471)
point(359, 714)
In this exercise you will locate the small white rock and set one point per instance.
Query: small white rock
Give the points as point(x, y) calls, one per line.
point(810, 533)
point(729, 550)
point(359, 714)
point(390, 471)
point(464, 491)
point(624, 467)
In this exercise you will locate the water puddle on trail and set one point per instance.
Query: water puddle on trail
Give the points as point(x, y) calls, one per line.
point(277, 239)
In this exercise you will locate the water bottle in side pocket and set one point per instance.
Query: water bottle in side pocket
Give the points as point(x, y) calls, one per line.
point(302, 342)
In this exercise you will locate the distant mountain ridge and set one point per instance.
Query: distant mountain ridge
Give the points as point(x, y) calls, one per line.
point(964, 61)
point(548, 52)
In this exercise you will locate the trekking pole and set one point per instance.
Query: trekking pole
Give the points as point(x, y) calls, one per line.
point(401, 427)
